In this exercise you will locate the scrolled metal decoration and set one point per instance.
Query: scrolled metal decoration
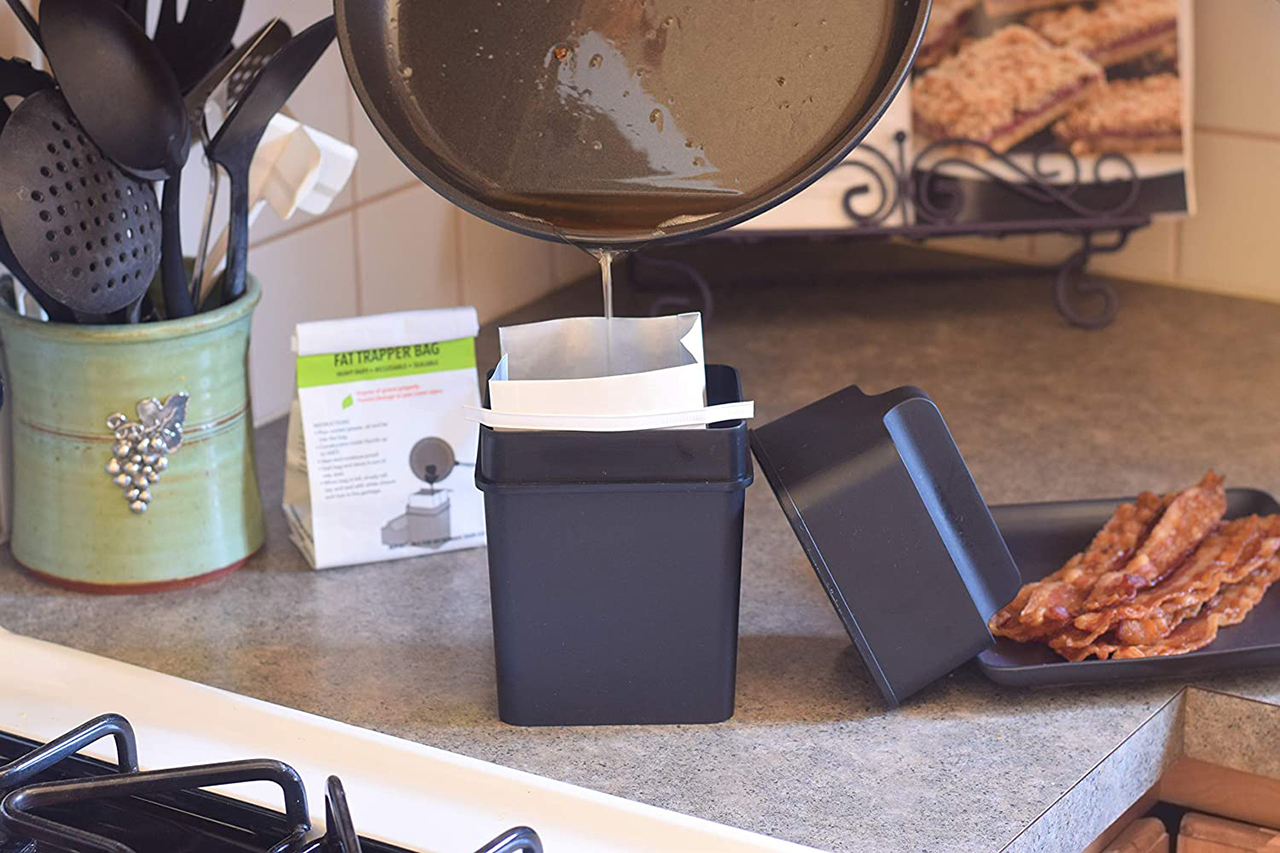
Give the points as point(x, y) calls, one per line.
point(1037, 183)
point(928, 192)
point(889, 192)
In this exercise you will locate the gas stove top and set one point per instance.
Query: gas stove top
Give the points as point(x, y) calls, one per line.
point(56, 800)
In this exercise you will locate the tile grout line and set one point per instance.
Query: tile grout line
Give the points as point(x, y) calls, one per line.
point(1255, 136)
point(460, 290)
point(1175, 249)
point(358, 267)
point(334, 213)
point(358, 270)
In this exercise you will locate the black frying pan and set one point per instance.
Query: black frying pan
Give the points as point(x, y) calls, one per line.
point(613, 122)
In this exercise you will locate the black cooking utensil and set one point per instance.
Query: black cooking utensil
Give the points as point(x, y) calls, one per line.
point(125, 95)
point(82, 230)
point(57, 312)
point(235, 142)
point(599, 112)
point(18, 78)
point(226, 82)
point(245, 73)
point(118, 85)
point(194, 45)
point(222, 86)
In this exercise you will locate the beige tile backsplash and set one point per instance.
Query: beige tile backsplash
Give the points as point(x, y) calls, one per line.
point(1238, 65)
point(432, 277)
point(1231, 244)
point(305, 276)
point(501, 270)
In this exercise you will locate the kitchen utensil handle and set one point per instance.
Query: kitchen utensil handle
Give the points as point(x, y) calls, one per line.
point(28, 23)
point(237, 263)
point(218, 253)
point(16, 773)
point(206, 228)
point(56, 311)
point(173, 271)
point(135, 310)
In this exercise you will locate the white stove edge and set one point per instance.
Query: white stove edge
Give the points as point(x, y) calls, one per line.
point(400, 792)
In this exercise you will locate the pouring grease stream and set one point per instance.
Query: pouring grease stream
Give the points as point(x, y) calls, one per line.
point(606, 258)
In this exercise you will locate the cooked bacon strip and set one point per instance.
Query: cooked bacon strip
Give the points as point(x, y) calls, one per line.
point(1229, 607)
point(1156, 626)
point(1042, 608)
point(1107, 645)
point(1187, 520)
point(1181, 594)
point(1226, 556)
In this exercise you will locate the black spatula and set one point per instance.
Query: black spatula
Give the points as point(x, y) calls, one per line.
point(235, 142)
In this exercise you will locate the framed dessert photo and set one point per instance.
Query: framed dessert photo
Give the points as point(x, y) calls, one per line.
point(1090, 98)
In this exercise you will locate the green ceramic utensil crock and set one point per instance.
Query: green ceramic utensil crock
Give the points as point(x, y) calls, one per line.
point(116, 489)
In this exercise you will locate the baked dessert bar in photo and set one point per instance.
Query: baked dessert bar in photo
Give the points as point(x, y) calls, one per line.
point(1130, 116)
point(1156, 62)
point(1002, 89)
point(998, 8)
point(1114, 31)
point(948, 21)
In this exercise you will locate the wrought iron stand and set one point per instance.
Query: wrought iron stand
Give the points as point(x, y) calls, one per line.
point(929, 193)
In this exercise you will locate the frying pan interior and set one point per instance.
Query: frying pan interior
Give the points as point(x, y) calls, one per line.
point(614, 122)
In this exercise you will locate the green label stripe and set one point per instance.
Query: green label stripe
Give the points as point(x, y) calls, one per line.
point(361, 365)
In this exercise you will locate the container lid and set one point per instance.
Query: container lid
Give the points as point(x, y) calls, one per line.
point(903, 543)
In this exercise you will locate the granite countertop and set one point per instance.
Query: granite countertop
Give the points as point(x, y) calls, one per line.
point(1181, 382)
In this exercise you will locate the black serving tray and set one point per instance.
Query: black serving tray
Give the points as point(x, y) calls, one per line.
point(1042, 536)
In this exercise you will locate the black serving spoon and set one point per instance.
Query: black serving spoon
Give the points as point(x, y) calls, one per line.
point(126, 97)
point(234, 144)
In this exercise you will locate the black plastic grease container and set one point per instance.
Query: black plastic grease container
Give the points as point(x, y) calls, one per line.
point(895, 528)
point(614, 569)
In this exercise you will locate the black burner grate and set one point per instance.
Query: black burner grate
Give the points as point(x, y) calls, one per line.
point(55, 801)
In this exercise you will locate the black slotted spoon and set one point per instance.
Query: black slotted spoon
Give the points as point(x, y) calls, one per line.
point(18, 78)
point(84, 232)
